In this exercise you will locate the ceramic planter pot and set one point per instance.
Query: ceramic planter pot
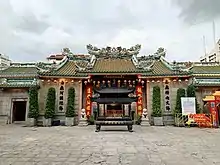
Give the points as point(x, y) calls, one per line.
point(158, 121)
point(69, 121)
point(31, 122)
point(47, 122)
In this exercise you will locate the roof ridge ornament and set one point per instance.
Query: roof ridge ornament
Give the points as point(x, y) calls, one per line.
point(113, 52)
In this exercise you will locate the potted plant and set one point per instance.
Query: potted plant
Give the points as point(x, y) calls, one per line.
point(178, 109)
point(50, 107)
point(70, 111)
point(156, 106)
point(33, 111)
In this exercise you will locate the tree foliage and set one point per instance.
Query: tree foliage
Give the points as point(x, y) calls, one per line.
point(33, 103)
point(70, 111)
point(156, 106)
point(50, 103)
point(180, 93)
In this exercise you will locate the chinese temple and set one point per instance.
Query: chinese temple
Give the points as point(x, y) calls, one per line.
point(111, 78)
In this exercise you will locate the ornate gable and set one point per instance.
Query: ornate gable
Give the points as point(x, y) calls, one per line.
point(112, 52)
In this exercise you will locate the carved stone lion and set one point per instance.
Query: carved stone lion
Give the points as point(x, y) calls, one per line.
point(144, 114)
point(83, 114)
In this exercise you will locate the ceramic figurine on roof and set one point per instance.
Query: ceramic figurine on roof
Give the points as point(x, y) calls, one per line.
point(110, 52)
point(160, 52)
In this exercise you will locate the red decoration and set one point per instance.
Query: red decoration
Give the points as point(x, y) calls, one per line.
point(88, 101)
point(139, 93)
point(202, 120)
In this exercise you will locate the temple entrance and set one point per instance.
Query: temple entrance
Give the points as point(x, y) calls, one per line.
point(19, 111)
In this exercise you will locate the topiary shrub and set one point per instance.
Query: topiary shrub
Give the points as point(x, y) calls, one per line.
point(191, 92)
point(180, 93)
point(70, 110)
point(156, 106)
point(33, 103)
point(50, 103)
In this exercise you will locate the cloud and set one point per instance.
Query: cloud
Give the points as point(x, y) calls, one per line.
point(31, 30)
point(196, 11)
point(29, 23)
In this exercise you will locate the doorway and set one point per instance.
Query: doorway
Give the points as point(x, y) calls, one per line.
point(19, 111)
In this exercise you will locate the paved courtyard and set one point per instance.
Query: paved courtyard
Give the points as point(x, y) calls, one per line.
point(113, 145)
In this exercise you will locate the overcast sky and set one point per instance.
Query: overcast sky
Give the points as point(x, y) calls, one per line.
point(30, 30)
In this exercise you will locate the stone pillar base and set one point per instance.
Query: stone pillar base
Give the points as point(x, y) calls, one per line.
point(82, 122)
point(145, 122)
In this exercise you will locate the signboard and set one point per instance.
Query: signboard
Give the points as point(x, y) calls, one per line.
point(188, 105)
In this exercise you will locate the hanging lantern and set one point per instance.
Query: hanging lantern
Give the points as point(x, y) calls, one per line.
point(139, 80)
point(85, 82)
point(130, 85)
point(125, 81)
point(48, 81)
point(158, 81)
point(164, 81)
point(88, 80)
point(186, 80)
point(98, 82)
point(66, 81)
point(142, 82)
point(80, 81)
point(109, 81)
point(152, 81)
point(103, 81)
point(72, 81)
point(55, 81)
point(179, 80)
point(119, 81)
point(42, 80)
point(148, 81)
point(94, 82)
point(174, 80)
point(129, 81)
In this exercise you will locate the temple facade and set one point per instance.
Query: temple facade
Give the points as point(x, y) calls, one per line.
point(106, 68)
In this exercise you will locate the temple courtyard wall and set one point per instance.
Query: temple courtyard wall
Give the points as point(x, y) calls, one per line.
point(61, 97)
point(9, 95)
point(7, 98)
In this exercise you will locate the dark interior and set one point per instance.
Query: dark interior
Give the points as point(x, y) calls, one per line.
point(114, 107)
point(19, 110)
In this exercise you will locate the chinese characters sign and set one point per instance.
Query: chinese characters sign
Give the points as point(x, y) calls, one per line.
point(140, 100)
point(88, 101)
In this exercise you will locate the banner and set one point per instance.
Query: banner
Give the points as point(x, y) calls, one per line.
point(188, 105)
point(88, 101)
point(140, 100)
point(203, 120)
point(213, 110)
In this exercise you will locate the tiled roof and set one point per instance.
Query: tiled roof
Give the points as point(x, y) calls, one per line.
point(18, 82)
point(160, 69)
point(114, 65)
point(73, 68)
point(68, 69)
point(19, 72)
point(206, 81)
point(206, 70)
